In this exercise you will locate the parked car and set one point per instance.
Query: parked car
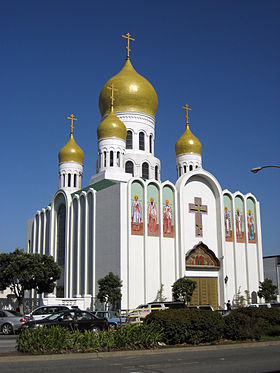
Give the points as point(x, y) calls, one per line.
point(73, 319)
point(10, 321)
point(44, 311)
point(260, 305)
point(275, 305)
point(139, 313)
point(112, 317)
point(204, 307)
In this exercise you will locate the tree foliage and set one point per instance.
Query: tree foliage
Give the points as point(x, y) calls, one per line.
point(183, 289)
point(110, 290)
point(22, 271)
point(267, 290)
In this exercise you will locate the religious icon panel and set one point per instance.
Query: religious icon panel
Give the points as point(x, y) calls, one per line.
point(251, 221)
point(168, 212)
point(228, 218)
point(137, 197)
point(239, 219)
point(152, 210)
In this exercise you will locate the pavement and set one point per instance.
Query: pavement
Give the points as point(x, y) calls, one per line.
point(20, 357)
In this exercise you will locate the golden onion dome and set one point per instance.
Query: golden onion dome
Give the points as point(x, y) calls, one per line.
point(135, 93)
point(188, 143)
point(71, 152)
point(111, 126)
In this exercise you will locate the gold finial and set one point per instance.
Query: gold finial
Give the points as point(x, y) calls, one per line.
point(72, 118)
point(127, 36)
point(112, 89)
point(187, 108)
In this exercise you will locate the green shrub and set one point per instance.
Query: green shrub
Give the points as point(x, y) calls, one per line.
point(60, 340)
point(250, 323)
point(187, 326)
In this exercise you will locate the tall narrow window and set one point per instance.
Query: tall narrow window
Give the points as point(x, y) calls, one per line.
point(185, 169)
point(75, 180)
point(191, 168)
point(129, 140)
point(141, 141)
point(129, 168)
point(111, 158)
point(156, 172)
point(104, 159)
point(118, 159)
point(64, 180)
point(145, 170)
point(151, 143)
point(69, 180)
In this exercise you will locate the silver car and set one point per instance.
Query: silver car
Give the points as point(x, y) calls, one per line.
point(10, 321)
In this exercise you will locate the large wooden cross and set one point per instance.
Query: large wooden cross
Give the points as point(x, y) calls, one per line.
point(187, 108)
point(72, 118)
point(128, 37)
point(198, 209)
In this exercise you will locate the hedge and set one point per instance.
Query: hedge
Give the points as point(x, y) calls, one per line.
point(187, 326)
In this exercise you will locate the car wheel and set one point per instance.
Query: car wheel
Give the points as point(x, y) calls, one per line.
point(7, 329)
point(112, 327)
point(95, 329)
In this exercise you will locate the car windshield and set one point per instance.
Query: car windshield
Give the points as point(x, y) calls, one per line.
point(55, 316)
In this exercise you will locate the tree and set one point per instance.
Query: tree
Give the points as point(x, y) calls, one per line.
point(183, 289)
point(239, 299)
point(267, 290)
point(22, 271)
point(110, 290)
point(160, 297)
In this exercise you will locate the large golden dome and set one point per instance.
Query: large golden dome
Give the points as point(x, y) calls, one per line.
point(71, 152)
point(111, 126)
point(188, 143)
point(135, 93)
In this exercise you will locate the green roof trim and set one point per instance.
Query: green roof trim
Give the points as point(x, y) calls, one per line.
point(100, 185)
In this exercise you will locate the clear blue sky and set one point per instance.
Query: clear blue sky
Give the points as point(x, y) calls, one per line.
point(221, 57)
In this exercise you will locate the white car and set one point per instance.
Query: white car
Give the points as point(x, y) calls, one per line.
point(44, 311)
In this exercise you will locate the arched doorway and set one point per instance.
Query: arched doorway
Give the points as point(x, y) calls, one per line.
point(201, 259)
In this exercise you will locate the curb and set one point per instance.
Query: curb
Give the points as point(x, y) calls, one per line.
point(15, 357)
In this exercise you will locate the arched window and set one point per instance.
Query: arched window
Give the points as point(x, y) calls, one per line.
point(185, 169)
point(191, 167)
point(75, 180)
point(111, 158)
point(156, 172)
point(129, 167)
point(104, 159)
point(64, 180)
point(151, 143)
point(141, 141)
point(118, 159)
point(145, 170)
point(129, 140)
point(69, 180)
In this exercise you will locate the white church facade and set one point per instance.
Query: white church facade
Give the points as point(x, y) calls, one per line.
point(129, 222)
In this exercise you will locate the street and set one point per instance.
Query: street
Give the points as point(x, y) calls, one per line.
point(248, 357)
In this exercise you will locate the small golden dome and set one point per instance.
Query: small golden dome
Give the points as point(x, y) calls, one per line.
point(135, 93)
point(71, 152)
point(111, 126)
point(188, 143)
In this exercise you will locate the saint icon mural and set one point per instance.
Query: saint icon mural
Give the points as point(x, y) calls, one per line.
point(167, 218)
point(136, 214)
point(251, 227)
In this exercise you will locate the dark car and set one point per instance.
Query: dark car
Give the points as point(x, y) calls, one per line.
point(73, 319)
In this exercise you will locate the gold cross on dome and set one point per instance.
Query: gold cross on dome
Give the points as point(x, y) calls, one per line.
point(128, 37)
point(112, 89)
point(187, 108)
point(72, 118)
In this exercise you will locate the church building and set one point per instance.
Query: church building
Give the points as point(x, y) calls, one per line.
point(147, 231)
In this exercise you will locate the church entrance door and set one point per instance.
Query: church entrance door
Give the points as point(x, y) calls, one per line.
point(206, 291)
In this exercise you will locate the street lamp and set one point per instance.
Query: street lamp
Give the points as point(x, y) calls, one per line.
point(257, 169)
